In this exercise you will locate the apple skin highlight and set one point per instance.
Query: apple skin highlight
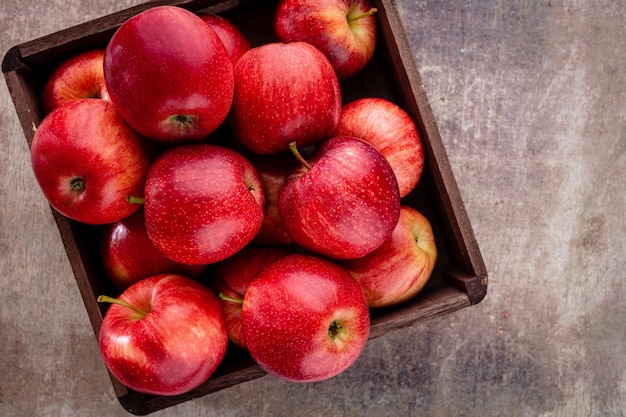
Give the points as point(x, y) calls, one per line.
point(305, 319)
point(173, 345)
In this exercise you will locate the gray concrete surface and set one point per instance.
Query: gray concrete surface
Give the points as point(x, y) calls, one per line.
point(530, 98)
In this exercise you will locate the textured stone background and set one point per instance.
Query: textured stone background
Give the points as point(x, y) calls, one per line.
point(530, 100)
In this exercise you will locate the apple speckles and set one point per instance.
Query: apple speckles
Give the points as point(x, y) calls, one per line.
point(343, 31)
point(198, 208)
point(86, 139)
point(217, 234)
point(284, 92)
point(400, 268)
point(196, 79)
point(391, 131)
point(155, 354)
point(286, 315)
point(346, 204)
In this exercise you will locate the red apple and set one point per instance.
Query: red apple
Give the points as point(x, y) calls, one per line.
point(203, 203)
point(400, 268)
point(231, 278)
point(79, 76)
point(128, 255)
point(392, 131)
point(87, 161)
point(344, 203)
point(164, 335)
point(284, 92)
point(304, 319)
point(273, 171)
point(234, 40)
point(168, 75)
point(344, 30)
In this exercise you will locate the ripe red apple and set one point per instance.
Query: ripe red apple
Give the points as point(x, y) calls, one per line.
point(164, 335)
point(168, 75)
point(273, 171)
point(203, 203)
point(304, 319)
point(87, 161)
point(392, 131)
point(284, 92)
point(400, 268)
point(343, 203)
point(232, 277)
point(79, 76)
point(235, 42)
point(344, 30)
point(128, 255)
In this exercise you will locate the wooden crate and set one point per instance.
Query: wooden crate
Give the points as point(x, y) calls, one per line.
point(459, 279)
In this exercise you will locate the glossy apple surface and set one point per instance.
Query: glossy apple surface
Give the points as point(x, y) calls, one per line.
point(87, 161)
point(79, 76)
point(170, 342)
point(305, 319)
point(345, 203)
point(400, 268)
point(273, 171)
point(203, 203)
point(284, 92)
point(235, 42)
point(128, 255)
point(392, 131)
point(233, 275)
point(168, 75)
point(344, 30)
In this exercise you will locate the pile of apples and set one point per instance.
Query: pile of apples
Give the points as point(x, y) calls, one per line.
point(188, 147)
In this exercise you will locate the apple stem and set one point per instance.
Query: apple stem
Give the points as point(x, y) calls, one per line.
point(107, 299)
point(362, 15)
point(225, 297)
point(135, 200)
point(299, 157)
